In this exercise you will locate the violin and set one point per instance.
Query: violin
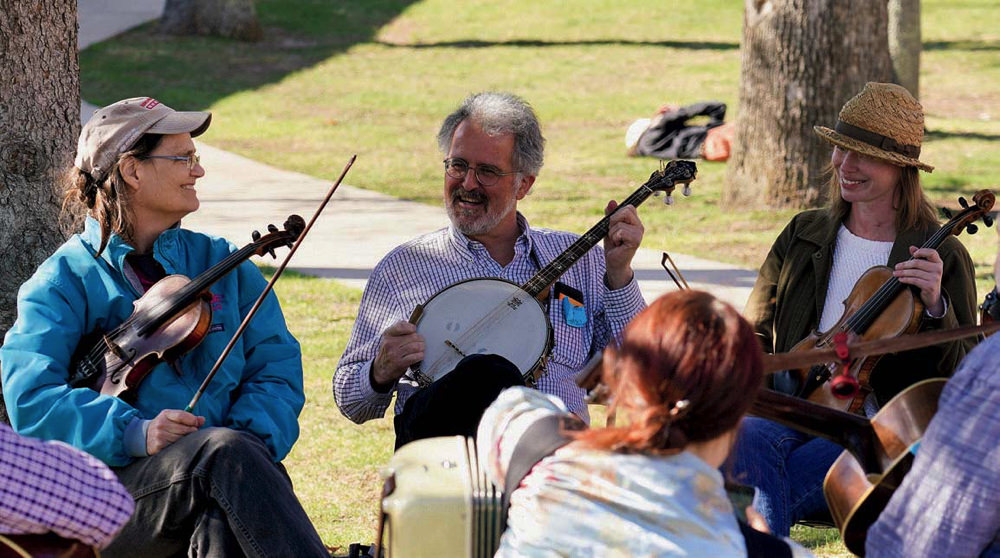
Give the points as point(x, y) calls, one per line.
point(170, 319)
point(878, 307)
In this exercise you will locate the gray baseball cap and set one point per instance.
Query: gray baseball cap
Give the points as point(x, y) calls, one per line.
point(116, 128)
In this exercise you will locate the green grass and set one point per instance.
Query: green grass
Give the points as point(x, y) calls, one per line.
point(375, 78)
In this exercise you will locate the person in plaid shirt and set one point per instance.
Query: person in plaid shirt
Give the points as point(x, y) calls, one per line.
point(493, 147)
point(53, 487)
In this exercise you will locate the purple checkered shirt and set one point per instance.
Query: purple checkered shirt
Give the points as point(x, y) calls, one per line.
point(50, 486)
point(413, 272)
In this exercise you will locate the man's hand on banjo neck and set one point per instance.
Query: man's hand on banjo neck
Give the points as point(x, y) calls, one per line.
point(625, 232)
point(399, 348)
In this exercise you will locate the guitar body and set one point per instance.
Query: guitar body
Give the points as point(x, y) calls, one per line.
point(482, 316)
point(896, 316)
point(44, 546)
point(856, 497)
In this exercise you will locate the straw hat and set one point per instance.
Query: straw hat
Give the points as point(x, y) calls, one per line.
point(883, 121)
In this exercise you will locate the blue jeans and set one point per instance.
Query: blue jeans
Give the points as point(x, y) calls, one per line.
point(214, 492)
point(787, 467)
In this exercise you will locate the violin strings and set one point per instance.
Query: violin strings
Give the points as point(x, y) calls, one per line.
point(167, 307)
point(870, 309)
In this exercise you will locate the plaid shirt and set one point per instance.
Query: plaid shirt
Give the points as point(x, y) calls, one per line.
point(50, 486)
point(413, 272)
point(949, 503)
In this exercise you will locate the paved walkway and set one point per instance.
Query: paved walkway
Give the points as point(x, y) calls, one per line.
point(359, 226)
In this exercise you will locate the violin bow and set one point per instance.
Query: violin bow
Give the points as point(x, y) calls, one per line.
point(267, 289)
point(802, 359)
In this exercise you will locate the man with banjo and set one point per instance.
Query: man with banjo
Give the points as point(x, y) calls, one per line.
point(493, 148)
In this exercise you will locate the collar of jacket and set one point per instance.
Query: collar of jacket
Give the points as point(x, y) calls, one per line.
point(116, 250)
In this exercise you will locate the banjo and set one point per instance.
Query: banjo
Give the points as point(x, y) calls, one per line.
point(495, 316)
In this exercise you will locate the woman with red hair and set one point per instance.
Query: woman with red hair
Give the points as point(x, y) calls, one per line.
point(680, 382)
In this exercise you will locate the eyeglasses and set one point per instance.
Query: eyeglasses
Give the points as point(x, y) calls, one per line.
point(485, 175)
point(192, 160)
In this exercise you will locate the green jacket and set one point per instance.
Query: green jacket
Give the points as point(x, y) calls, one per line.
point(787, 300)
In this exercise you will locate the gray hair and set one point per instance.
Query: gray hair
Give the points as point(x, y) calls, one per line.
point(501, 113)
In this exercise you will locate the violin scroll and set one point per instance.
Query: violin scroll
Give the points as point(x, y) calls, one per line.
point(294, 226)
point(982, 203)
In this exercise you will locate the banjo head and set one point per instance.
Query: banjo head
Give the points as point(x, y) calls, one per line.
point(481, 316)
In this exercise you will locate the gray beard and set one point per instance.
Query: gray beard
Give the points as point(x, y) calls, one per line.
point(484, 224)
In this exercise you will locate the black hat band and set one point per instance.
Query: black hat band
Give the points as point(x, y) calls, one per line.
point(877, 140)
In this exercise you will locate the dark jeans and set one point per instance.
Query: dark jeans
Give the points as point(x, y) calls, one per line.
point(215, 492)
point(788, 468)
point(454, 404)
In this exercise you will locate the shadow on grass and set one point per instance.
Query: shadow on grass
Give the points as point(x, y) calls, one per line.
point(941, 135)
point(193, 72)
point(534, 43)
point(962, 45)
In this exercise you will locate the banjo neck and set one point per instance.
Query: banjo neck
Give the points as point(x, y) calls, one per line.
point(660, 181)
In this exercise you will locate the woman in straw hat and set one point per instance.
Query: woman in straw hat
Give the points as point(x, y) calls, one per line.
point(205, 483)
point(680, 378)
point(877, 215)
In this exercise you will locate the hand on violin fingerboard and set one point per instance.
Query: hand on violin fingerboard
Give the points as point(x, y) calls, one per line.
point(924, 271)
point(168, 427)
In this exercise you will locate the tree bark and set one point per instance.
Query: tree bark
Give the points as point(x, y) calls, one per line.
point(234, 19)
point(802, 59)
point(904, 43)
point(39, 124)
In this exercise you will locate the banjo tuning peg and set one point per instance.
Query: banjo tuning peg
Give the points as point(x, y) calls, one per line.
point(687, 190)
point(669, 200)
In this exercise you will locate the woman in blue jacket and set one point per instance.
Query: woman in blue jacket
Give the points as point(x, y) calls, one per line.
point(208, 482)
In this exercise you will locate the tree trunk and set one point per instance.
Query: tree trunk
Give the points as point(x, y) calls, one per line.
point(904, 43)
point(802, 59)
point(39, 124)
point(234, 19)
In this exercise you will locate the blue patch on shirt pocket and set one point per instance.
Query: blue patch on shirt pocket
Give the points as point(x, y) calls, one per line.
point(574, 312)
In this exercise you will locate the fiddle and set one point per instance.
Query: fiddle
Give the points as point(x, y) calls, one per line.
point(170, 319)
point(878, 307)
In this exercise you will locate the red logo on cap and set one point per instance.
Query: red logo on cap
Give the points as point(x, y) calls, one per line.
point(149, 103)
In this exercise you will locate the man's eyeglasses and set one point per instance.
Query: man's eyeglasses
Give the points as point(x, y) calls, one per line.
point(192, 160)
point(485, 175)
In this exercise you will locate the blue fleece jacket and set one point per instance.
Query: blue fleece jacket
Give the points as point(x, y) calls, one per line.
point(258, 389)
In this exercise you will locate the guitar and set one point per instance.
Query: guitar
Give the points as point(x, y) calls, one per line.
point(878, 452)
point(48, 545)
point(495, 316)
point(878, 307)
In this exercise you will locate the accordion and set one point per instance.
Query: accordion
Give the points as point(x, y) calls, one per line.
point(437, 502)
